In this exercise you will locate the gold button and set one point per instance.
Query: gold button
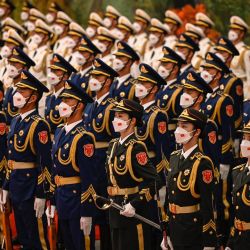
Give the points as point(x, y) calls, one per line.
point(239, 233)
point(28, 175)
point(237, 207)
point(174, 179)
point(238, 194)
point(210, 232)
point(184, 180)
point(74, 191)
point(195, 219)
point(9, 151)
point(11, 141)
point(173, 216)
point(47, 117)
point(141, 198)
point(172, 192)
point(90, 200)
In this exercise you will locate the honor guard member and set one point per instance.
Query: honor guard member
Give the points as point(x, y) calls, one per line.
point(84, 58)
point(154, 129)
point(168, 97)
point(73, 174)
point(186, 48)
point(51, 16)
point(8, 24)
point(61, 28)
point(123, 87)
point(61, 70)
point(40, 41)
point(153, 52)
point(98, 120)
point(174, 22)
point(131, 180)
point(206, 24)
point(18, 62)
point(139, 40)
point(34, 15)
point(219, 108)
point(190, 184)
point(3, 139)
point(246, 111)
point(29, 163)
point(24, 15)
point(125, 29)
point(74, 37)
point(111, 17)
point(12, 40)
point(241, 63)
point(240, 231)
point(105, 42)
point(6, 9)
point(232, 85)
point(94, 22)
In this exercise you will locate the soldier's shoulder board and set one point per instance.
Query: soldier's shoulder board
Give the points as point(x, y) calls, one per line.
point(176, 152)
point(240, 167)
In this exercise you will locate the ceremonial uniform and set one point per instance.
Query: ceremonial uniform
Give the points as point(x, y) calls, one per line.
point(190, 184)
point(29, 163)
point(73, 175)
point(3, 146)
point(246, 111)
point(131, 179)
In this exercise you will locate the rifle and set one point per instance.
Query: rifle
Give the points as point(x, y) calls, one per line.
point(7, 240)
point(110, 203)
point(52, 232)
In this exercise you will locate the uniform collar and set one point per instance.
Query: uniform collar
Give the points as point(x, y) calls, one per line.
point(188, 152)
point(146, 105)
point(101, 98)
point(58, 92)
point(85, 71)
point(122, 79)
point(24, 115)
point(185, 68)
point(240, 45)
point(169, 83)
point(121, 141)
point(69, 127)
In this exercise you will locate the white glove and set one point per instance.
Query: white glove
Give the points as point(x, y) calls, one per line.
point(162, 194)
point(50, 213)
point(3, 198)
point(224, 170)
point(128, 211)
point(39, 207)
point(208, 248)
point(228, 248)
point(85, 225)
point(169, 243)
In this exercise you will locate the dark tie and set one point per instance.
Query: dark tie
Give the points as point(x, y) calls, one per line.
point(152, 55)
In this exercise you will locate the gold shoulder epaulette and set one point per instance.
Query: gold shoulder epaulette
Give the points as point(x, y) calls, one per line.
point(240, 167)
point(154, 108)
point(197, 155)
point(81, 130)
point(36, 117)
point(176, 152)
point(60, 125)
point(114, 140)
point(111, 100)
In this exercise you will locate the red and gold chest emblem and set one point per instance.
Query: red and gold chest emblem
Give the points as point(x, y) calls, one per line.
point(162, 127)
point(43, 137)
point(88, 150)
point(2, 128)
point(142, 158)
point(207, 176)
point(212, 137)
point(229, 110)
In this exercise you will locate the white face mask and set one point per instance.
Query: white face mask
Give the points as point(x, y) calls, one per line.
point(30, 26)
point(153, 39)
point(65, 110)
point(206, 76)
point(186, 100)
point(94, 84)
point(245, 148)
point(18, 100)
point(232, 35)
point(182, 136)
point(140, 91)
point(181, 55)
point(120, 125)
point(107, 22)
point(71, 43)
point(220, 56)
point(24, 16)
point(50, 18)
point(53, 79)
point(118, 64)
point(101, 46)
point(163, 72)
point(137, 27)
point(120, 35)
point(5, 52)
point(12, 71)
point(80, 59)
point(5, 35)
point(58, 29)
point(1, 12)
point(90, 32)
point(36, 39)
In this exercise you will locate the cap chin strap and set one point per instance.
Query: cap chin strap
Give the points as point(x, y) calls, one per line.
point(194, 101)
point(28, 98)
point(74, 109)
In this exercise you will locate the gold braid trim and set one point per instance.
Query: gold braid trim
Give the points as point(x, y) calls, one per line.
point(131, 93)
point(210, 224)
point(172, 100)
point(10, 112)
point(3, 164)
point(55, 121)
point(89, 192)
point(227, 146)
point(243, 196)
point(146, 193)
point(120, 170)
point(229, 85)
